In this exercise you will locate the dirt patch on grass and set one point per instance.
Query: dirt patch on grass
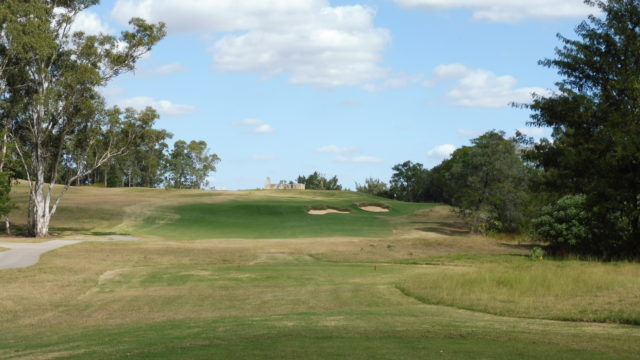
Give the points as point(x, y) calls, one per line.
point(374, 207)
point(324, 210)
point(327, 211)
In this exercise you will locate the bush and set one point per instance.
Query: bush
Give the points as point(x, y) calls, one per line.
point(537, 253)
point(565, 225)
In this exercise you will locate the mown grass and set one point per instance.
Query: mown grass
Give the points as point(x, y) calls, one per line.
point(204, 299)
point(271, 218)
point(260, 278)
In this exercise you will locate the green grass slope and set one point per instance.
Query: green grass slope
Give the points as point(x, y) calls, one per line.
point(250, 275)
point(273, 218)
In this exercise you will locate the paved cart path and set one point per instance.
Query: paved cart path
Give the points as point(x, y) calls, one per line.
point(22, 255)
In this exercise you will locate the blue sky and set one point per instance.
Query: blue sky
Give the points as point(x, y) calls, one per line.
point(283, 88)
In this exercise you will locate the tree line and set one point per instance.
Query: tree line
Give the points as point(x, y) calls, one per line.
point(580, 190)
point(57, 130)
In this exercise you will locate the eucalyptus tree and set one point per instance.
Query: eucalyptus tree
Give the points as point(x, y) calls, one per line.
point(318, 181)
point(53, 74)
point(189, 164)
point(373, 186)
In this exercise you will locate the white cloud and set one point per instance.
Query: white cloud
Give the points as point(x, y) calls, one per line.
point(164, 107)
point(441, 151)
point(482, 88)
point(170, 69)
point(91, 24)
point(309, 40)
point(334, 149)
point(363, 159)
point(534, 131)
point(255, 126)
point(507, 10)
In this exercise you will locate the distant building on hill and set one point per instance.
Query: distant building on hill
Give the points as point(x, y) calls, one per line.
point(283, 185)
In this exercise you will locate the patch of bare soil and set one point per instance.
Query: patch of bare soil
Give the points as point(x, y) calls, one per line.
point(375, 209)
point(327, 211)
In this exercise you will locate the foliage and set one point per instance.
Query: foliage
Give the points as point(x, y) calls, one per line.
point(409, 182)
point(594, 116)
point(373, 186)
point(537, 253)
point(5, 191)
point(317, 181)
point(50, 79)
point(189, 164)
point(487, 182)
point(565, 224)
point(143, 164)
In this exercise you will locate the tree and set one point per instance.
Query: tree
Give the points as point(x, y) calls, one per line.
point(52, 75)
point(564, 224)
point(189, 165)
point(317, 181)
point(596, 133)
point(373, 186)
point(144, 162)
point(409, 182)
point(487, 182)
point(5, 200)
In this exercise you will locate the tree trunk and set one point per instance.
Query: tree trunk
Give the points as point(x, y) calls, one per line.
point(7, 225)
point(39, 212)
point(4, 150)
point(39, 215)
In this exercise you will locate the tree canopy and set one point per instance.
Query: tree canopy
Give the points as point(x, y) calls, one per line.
point(317, 181)
point(594, 115)
point(51, 108)
point(189, 164)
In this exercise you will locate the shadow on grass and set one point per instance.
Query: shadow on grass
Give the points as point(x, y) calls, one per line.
point(519, 246)
point(443, 228)
point(107, 233)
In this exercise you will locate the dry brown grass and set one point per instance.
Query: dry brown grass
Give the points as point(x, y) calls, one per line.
point(336, 286)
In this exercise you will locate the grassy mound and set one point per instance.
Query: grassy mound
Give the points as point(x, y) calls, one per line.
point(268, 218)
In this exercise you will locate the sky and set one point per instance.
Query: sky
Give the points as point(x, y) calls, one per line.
point(282, 88)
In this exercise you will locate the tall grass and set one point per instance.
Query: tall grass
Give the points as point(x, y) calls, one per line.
point(568, 290)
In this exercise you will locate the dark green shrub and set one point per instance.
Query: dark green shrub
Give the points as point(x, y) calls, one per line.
point(565, 225)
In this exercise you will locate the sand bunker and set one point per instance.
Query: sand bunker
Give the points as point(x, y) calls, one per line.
point(375, 209)
point(327, 211)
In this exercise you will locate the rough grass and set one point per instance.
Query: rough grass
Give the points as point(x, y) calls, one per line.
point(301, 290)
point(568, 290)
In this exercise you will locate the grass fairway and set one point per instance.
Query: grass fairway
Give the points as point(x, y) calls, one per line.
point(269, 219)
point(243, 275)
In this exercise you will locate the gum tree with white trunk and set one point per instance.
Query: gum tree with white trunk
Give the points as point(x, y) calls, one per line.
point(57, 115)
